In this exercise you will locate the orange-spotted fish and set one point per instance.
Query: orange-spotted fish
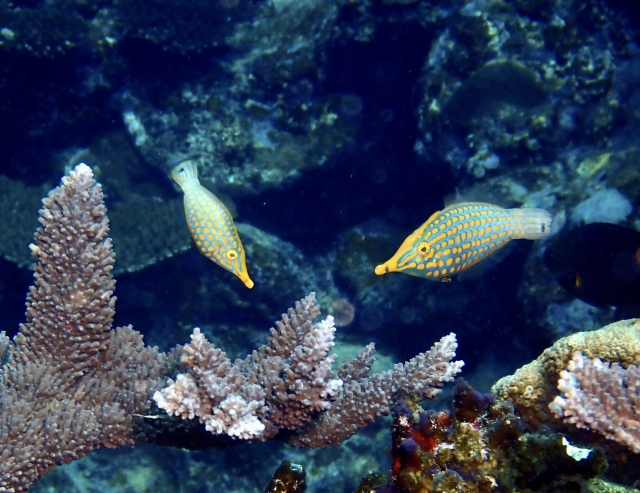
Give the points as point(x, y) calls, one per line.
point(458, 237)
point(210, 223)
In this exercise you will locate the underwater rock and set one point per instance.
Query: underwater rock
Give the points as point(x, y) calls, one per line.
point(288, 478)
point(598, 485)
point(282, 43)
point(575, 316)
point(146, 230)
point(499, 80)
point(264, 123)
point(607, 205)
point(57, 28)
point(491, 87)
point(178, 26)
point(280, 269)
point(242, 146)
point(46, 29)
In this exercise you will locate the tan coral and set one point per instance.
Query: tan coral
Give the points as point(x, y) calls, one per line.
point(533, 387)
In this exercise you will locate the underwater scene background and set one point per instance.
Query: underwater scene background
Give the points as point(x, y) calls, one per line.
point(330, 131)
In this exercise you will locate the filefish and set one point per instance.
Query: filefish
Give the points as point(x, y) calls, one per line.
point(461, 235)
point(210, 223)
point(598, 263)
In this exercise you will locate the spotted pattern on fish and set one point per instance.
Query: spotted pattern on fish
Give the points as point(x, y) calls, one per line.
point(210, 223)
point(461, 235)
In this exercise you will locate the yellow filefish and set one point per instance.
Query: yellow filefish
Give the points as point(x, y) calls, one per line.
point(460, 236)
point(210, 223)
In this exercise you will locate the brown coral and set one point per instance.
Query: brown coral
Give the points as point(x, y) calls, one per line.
point(288, 383)
point(534, 386)
point(70, 384)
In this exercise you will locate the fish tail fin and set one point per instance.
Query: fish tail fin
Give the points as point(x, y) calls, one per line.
point(185, 172)
point(536, 223)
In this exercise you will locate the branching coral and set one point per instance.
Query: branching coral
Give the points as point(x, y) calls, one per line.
point(288, 383)
point(70, 384)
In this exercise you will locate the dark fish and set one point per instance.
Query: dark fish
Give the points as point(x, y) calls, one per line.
point(598, 263)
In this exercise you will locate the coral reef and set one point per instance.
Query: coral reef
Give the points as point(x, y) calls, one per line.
point(481, 446)
point(534, 386)
point(59, 27)
point(601, 397)
point(498, 66)
point(288, 382)
point(282, 385)
point(70, 384)
point(265, 101)
point(242, 147)
point(337, 128)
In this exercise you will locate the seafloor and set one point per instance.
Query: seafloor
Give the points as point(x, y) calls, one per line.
point(332, 130)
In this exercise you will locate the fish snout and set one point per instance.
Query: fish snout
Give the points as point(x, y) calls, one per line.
point(247, 281)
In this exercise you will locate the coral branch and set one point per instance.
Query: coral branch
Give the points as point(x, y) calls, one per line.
point(603, 397)
point(70, 384)
point(288, 384)
point(364, 398)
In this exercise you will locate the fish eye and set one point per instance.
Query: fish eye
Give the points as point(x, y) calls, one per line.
point(423, 249)
point(231, 255)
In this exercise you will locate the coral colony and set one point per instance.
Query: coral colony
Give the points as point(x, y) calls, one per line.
point(71, 384)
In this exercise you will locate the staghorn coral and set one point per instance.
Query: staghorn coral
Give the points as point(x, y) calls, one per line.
point(288, 383)
point(534, 386)
point(365, 397)
point(602, 397)
point(69, 383)
point(282, 385)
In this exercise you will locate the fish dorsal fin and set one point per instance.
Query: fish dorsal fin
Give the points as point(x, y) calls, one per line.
point(471, 195)
point(454, 198)
point(487, 263)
